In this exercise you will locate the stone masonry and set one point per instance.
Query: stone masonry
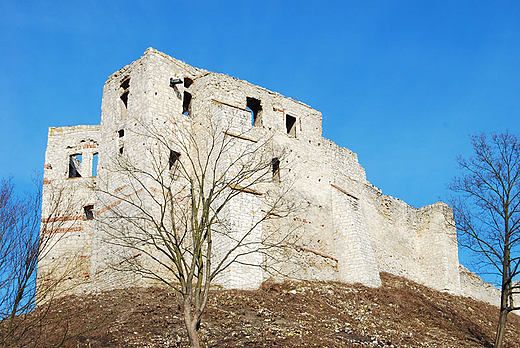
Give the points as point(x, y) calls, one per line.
point(349, 230)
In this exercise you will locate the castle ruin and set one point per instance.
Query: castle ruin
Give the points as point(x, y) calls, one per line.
point(347, 230)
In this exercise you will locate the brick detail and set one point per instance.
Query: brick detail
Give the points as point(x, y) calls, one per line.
point(111, 205)
point(65, 230)
point(62, 218)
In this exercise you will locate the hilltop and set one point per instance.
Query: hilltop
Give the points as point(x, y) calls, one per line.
point(401, 313)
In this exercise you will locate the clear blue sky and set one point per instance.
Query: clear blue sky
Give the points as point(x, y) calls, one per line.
point(401, 83)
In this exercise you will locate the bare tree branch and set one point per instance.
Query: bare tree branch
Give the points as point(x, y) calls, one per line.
point(177, 207)
point(487, 211)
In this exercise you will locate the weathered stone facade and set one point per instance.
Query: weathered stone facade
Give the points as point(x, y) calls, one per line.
point(349, 231)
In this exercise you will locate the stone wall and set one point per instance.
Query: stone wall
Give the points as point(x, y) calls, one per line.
point(67, 206)
point(473, 286)
point(343, 229)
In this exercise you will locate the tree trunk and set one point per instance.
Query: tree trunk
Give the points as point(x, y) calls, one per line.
point(193, 334)
point(499, 339)
point(502, 320)
point(191, 325)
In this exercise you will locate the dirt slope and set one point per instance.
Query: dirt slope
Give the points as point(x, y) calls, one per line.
point(293, 314)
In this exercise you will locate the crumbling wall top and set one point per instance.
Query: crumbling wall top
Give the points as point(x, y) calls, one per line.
point(72, 129)
point(151, 51)
point(198, 72)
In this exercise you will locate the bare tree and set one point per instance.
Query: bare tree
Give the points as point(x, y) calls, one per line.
point(26, 239)
point(174, 212)
point(487, 211)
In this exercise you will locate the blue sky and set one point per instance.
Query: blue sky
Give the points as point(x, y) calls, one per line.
point(401, 83)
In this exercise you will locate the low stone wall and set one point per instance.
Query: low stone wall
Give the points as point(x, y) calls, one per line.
point(473, 286)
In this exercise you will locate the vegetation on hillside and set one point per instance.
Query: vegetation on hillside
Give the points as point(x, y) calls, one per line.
point(401, 313)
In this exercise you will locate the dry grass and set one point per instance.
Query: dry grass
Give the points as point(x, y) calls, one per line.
point(292, 314)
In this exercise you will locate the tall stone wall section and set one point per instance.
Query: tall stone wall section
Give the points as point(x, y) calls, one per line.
point(437, 248)
point(243, 214)
point(66, 204)
point(357, 263)
point(344, 229)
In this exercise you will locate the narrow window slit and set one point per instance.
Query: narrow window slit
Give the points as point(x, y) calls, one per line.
point(74, 166)
point(254, 105)
point(121, 133)
point(94, 164)
point(290, 124)
point(124, 98)
point(89, 212)
point(275, 166)
point(125, 83)
point(174, 157)
point(186, 103)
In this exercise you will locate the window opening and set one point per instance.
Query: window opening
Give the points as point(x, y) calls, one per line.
point(89, 212)
point(275, 166)
point(125, 83)
point(74, 166)
point(174, 157)
point(174, 82)
point(94, 164)
point(255, 107)
point(121, 133)
point(187, 82)
point(121, 150)
point(186, 103)
point(290, 124)
point(124, 98)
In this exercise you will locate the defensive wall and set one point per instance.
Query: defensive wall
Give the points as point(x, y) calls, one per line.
point(348, 230)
